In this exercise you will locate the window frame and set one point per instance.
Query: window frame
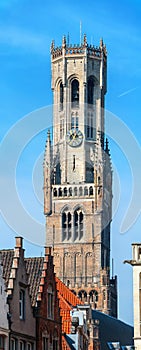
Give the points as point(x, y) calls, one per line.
point(22, 304)
point(50, 302)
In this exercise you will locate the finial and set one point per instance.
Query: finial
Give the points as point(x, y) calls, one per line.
point(107, 147)
point(48, 135)
point(52, 46)
point(85, 40)
point(101, 42)
point(64, 41)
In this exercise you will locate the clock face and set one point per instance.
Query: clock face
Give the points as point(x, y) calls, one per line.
point(74, 137)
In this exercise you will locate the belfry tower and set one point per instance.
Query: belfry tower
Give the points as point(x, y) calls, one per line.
point(78, 176)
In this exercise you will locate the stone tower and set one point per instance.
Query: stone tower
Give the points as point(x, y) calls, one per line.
point(78, 176)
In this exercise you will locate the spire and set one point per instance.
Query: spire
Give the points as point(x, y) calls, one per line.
point(52, 46)
point(47, 155)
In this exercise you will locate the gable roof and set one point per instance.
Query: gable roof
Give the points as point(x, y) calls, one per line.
point(6, 261)
point(34, 267)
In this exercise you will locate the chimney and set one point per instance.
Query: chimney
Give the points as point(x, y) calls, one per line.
point(48, 251)
point(19, 242)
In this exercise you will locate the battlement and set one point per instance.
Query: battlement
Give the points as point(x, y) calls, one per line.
point(82, 49)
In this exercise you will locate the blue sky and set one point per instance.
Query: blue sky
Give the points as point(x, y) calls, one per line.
point(26, 31)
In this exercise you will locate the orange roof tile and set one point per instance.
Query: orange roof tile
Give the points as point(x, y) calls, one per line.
point(67, 300)
point(67, 294)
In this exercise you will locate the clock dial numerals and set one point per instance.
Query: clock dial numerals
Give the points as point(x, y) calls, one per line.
point(74, 137)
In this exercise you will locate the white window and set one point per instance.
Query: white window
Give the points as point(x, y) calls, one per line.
point(22, 304)
point(50, 302)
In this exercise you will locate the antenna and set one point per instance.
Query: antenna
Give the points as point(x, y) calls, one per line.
point(80, 33)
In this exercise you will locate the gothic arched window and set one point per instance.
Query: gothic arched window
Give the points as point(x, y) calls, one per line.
point(75, 93)
point(93, 296)
point(82, 295)
point(61, 96)
point(90, 91)
point(66, 225)
point(78, 224)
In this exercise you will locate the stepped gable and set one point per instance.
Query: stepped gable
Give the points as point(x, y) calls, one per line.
point(34, 267)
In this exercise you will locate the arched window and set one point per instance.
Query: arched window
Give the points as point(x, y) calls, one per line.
point(55, 341)
point(85, 191)
point(93, 298)
point(78, 224)
point(90, 91)
point(60, 192)
point(75, 191)
point(50, 302)
point(75, 93)
point(80, 191)
point(91, 191)
point(61, 96)
point(55, 192)
point(70, 191)
point(82, 295)
point(65, 191)
point(66, 225)
point(45, 340)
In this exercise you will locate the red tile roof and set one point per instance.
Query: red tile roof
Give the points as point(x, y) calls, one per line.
point(66, 293)
point(67, 300)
